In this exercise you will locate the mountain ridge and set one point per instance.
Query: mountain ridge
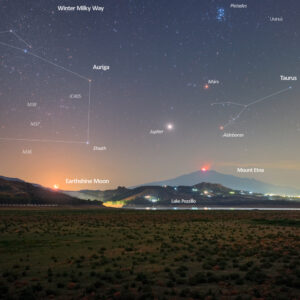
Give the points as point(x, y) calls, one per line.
point(230, 181)
point(19, 192)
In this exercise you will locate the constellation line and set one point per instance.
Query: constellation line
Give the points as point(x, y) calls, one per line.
point(245, 106)
point(43, 59)
point(11, 46)
point(89, 111)
point(21, 39)
point(56, 65)
point(60, 67)
point(42, 140)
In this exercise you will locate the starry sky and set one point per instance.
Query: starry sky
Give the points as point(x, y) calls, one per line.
point(169, 62)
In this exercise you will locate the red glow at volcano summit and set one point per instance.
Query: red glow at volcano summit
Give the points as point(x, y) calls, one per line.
point(204, 169)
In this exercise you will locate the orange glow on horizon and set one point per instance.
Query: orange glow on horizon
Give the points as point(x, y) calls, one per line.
point(55, 186)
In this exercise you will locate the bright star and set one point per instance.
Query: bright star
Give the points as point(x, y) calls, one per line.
point(170, 126)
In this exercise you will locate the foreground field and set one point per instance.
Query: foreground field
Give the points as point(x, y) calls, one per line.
point(104, 254)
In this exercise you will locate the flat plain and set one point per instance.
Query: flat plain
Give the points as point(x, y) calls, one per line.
point(126, 254)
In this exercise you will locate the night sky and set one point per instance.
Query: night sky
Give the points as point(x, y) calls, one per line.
point(169, 62)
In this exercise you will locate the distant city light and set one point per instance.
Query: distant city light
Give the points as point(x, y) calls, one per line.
point(151, 198)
